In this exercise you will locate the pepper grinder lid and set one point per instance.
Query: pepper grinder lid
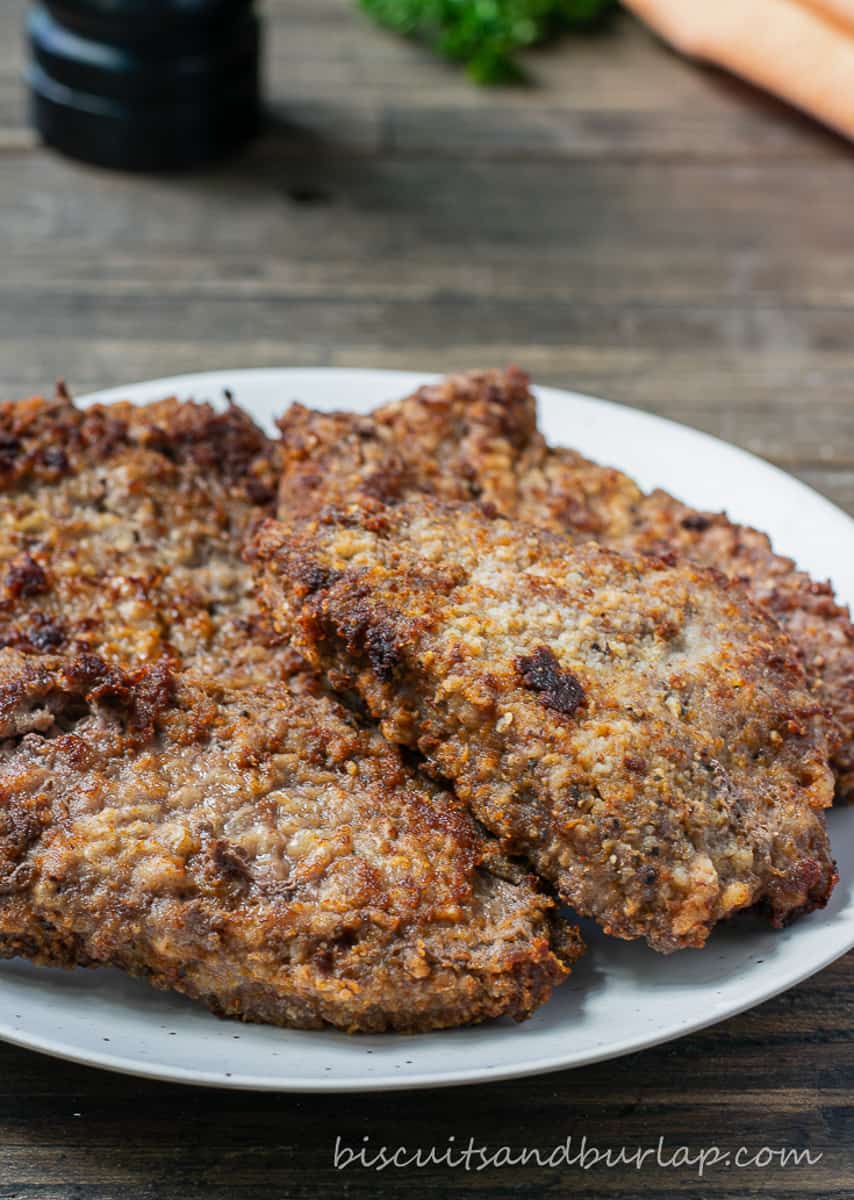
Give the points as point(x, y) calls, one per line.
point(145, 84)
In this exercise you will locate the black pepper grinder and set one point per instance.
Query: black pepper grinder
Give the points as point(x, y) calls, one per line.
point(145, 84)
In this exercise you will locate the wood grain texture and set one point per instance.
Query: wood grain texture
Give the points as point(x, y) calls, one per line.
point(632, 226)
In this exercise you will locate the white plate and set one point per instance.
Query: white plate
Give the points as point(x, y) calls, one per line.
point(622, 996)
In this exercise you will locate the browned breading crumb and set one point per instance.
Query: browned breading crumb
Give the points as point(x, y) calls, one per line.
point(637, 728)
point(474, 437)
point(174, 801)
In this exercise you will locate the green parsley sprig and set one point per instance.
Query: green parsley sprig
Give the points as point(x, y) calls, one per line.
point(486, 35)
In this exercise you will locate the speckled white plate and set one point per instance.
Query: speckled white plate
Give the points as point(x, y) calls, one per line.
point(621, 997)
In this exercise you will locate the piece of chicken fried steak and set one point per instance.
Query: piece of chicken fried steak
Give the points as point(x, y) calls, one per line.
point(475, 437)
point(639, 729)
point(172, 801)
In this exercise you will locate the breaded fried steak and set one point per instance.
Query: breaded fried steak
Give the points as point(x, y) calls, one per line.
point(637, 728)
point(474, 437)
point(170, 805)
point(254, 850)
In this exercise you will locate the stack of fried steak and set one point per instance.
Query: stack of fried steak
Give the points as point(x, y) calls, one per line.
point(324, 730)
point(175, 801)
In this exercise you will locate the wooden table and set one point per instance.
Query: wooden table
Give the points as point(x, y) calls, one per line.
point(633, 227)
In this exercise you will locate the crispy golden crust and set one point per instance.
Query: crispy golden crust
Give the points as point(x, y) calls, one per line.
point(171, 804)
point(474, 437)
point(637, 728)
point(121, 530)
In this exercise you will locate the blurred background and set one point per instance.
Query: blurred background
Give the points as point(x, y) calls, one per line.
point(630, 225)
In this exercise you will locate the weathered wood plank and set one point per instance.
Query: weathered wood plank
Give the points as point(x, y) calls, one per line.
point(677, 288)
point(837, 485)
point(649, 235)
